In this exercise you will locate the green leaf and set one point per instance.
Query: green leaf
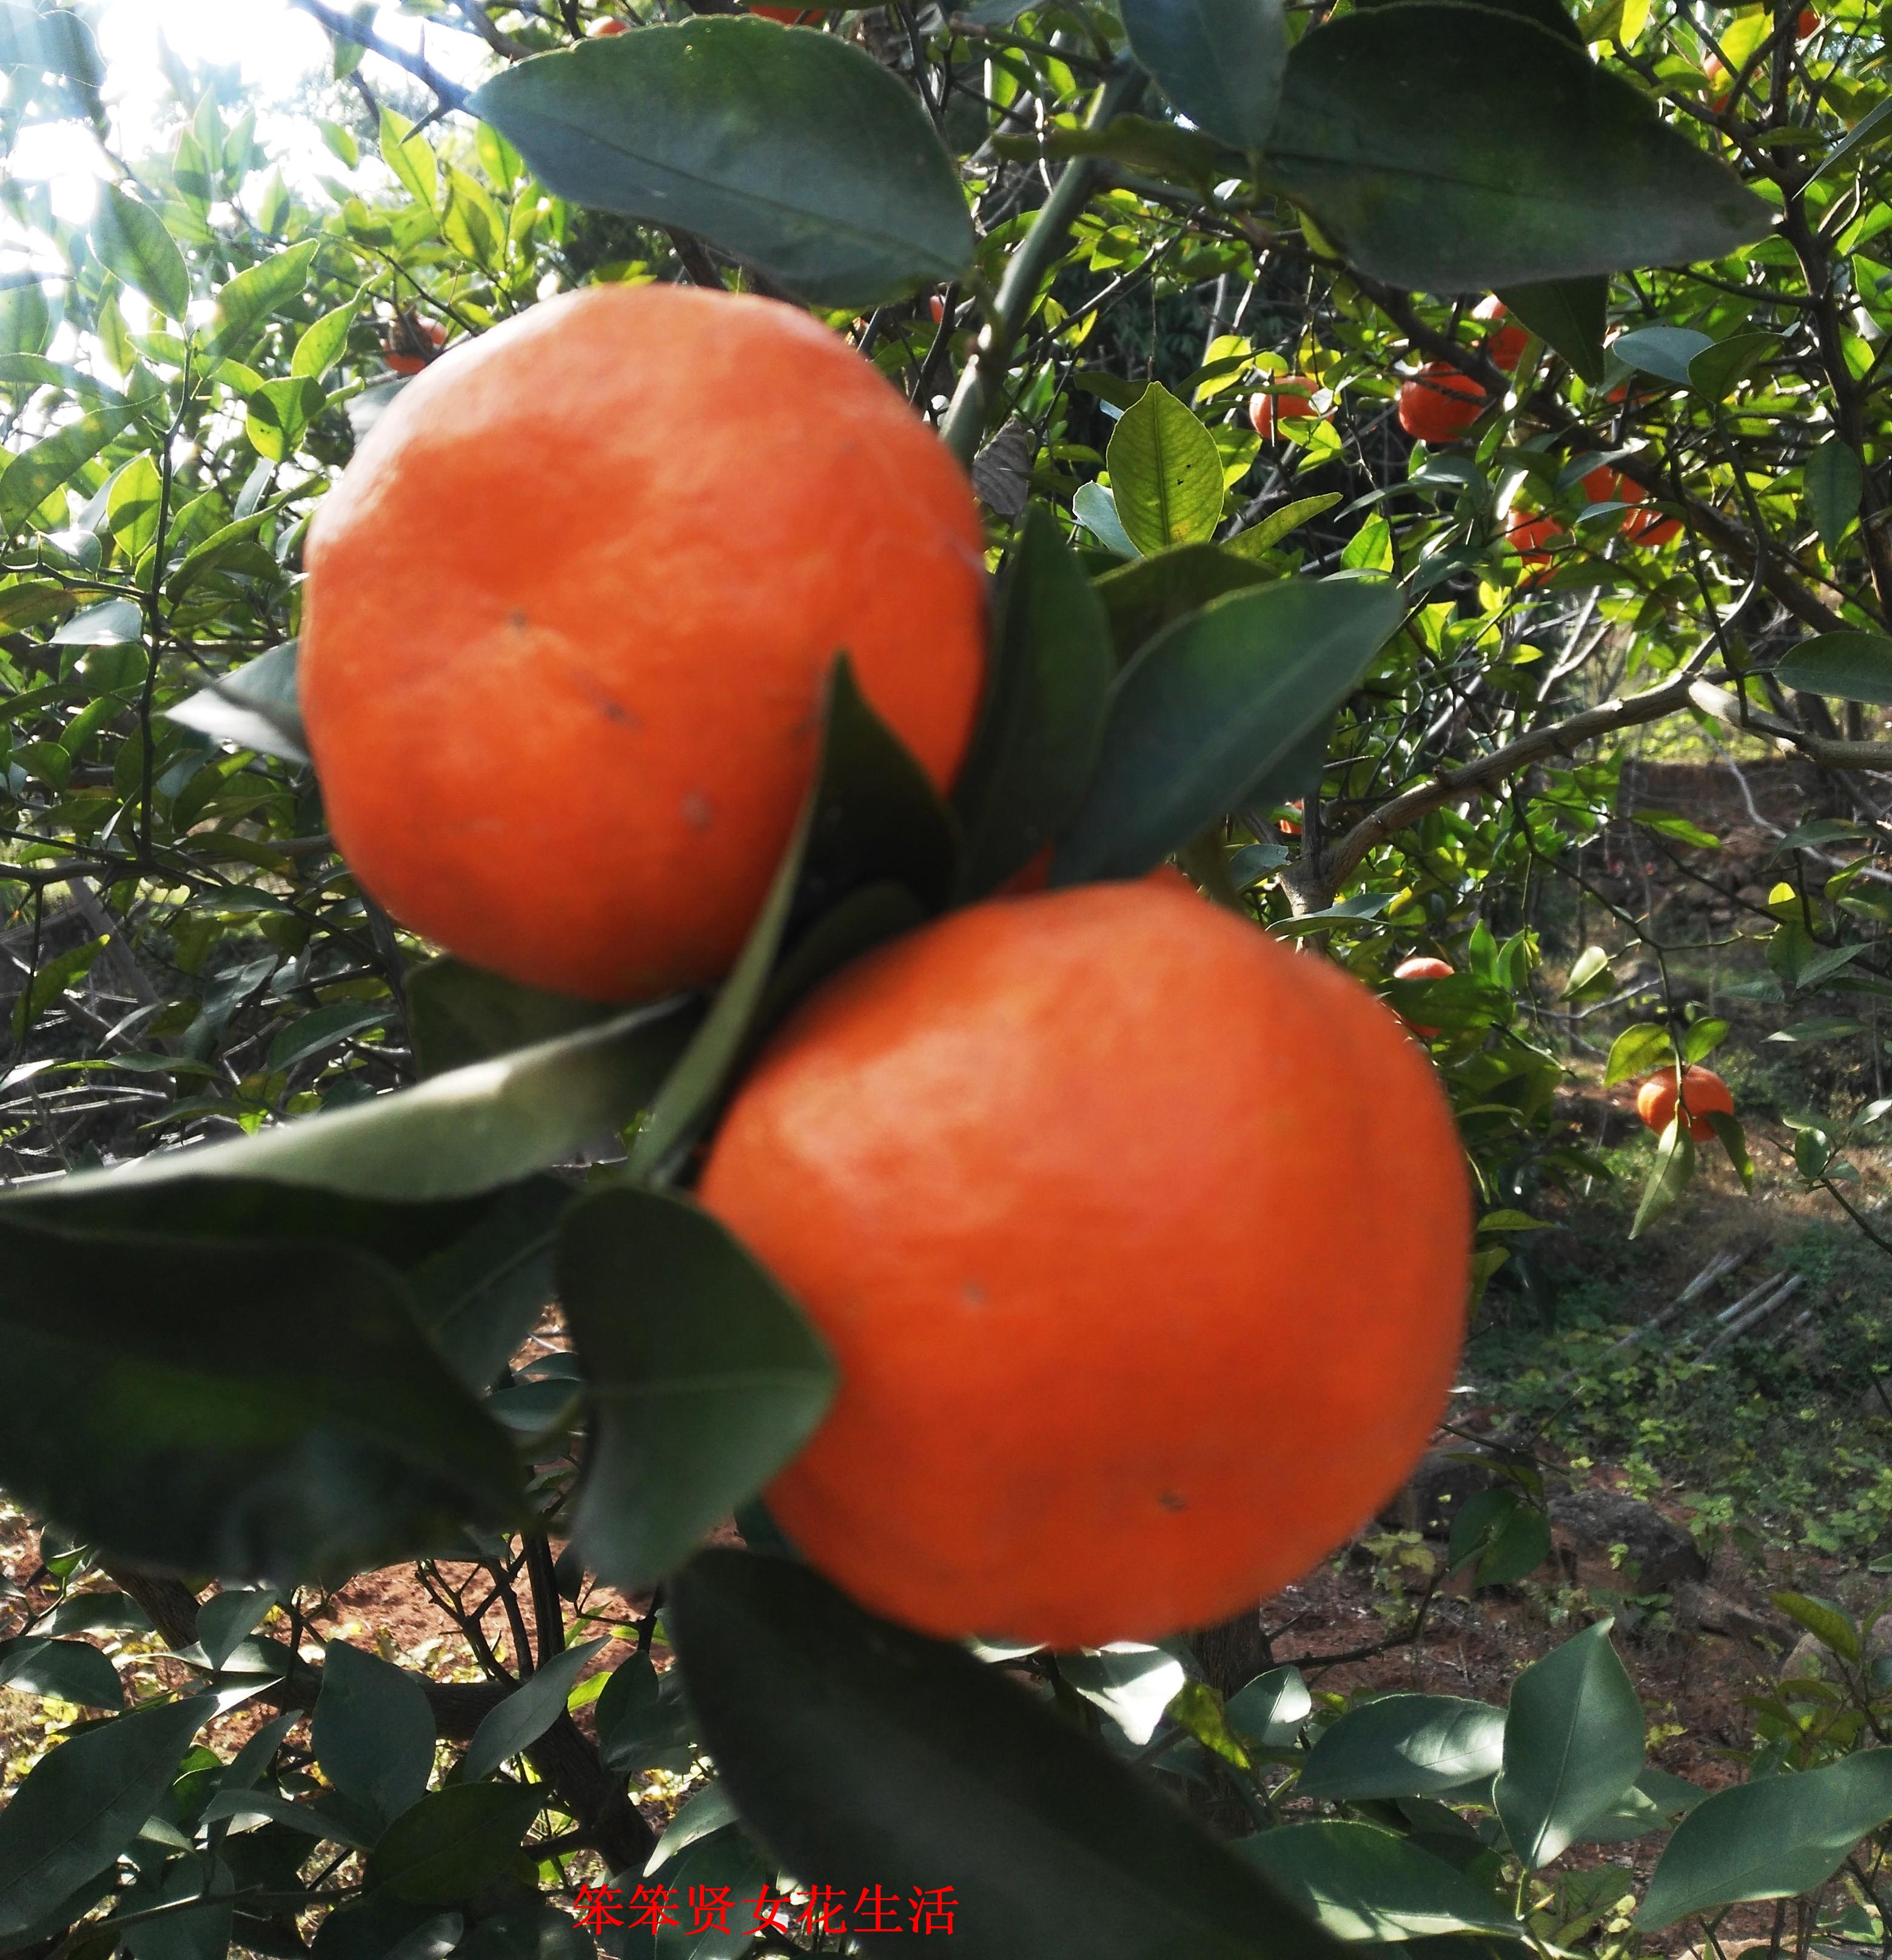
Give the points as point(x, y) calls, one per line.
point(373, 1731)
point(226, 1619)
point(1702, 1038)
point(1733, 1140)
point(642, 1722)
point(280, 413)
point(315, 1033)
point(1144, 596)
point(1667, 352)
point(32, 474)
point(253, 296)
point(254, 706)
point(216, 1435)
point(705, 1376)
point(1499, 1531)
point(1678, 829)
point(471, 224)
point(1717, 371)
point(83, 1803)
point(1775, 1837)
point(1269, 1710)
point(1133, 1686)
point(1361, 1882)
point(862, 1751)
point(1404, 1745)
point(1545, 167)
point(1096, 509)
point(1265, 533)
point(74, 1671)
point(1851, 666)
point(796, 153)
point(1042, 723)
point(1800, 960)
point(458, 1014)
point(1165, 473)
point(511, 1728)
point(1637, 1050)
point(1668, 1177)
point(1212, 709)
point(453, 1844)
point(872, 827)
point(131, 240)
point(1219, 61)
point(323, 343)
point(54, 978)
point(1572, 1745)
point(1569, 315)
point(1833, 1630)
point(410, 158)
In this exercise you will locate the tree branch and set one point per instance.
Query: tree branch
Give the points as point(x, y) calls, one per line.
point(451, 95)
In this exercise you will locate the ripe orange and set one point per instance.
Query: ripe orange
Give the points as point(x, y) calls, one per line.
point(1532, 535)
point(1505, 347)
point(1438, 404)
point(413, 344)
point(1423, 966)
point(600, 29)
point(936, 307)
point(1289, 399)
point(1645, 527)
point(1602, 485)
point(562, 669)
point(1701, 1091)
point(1142, 1245)
point(1806, 23)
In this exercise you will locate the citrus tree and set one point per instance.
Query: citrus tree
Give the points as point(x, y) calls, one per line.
point(693, 1167)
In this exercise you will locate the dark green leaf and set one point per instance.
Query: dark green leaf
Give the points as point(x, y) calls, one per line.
point(1573, 1745)
point(227, 1619)
point(1570, 315)
point(642, 1722)
point(131, 240)
point(865, 1753)
point(1271, 1708)
point(1637, 1050)
point(218, 1436)
point(1851, 666)
point(539, 1931)
point(1206, 715)
point(1361, 1882)
point(1668, 1177)
point(1165, 474)
point(373, 1731)
point(796, 153)
point(453, 1844)
point(254, 706)
point(526, 1714)
point(1219, 61)
point(706, 1377)
point(1775, 1837)
point(35, 473)
point(458, 1014)
point(325, 1028)
point(1265, 533)
point(1500, 1531)
point(1717, 371)
point(1544, 167)
point(1043, 719)
point(1150, 593)
point(74, 1671)
point(84, 1801)
point(1734, 1142)
point(1404, 1745)
point(871, 817)
point(1834, 1630)
point(54, 977)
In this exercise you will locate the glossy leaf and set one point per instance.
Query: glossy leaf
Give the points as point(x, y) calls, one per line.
point(34, 473)
point(1834, 1630)
point(796, 153)
point(217, 1437)
point(1096, 509)
point(864, 1752)
point(705, 1377)
point(1569, 315)
point(449, 1845)
point(1133, 1686)
point(1850, 666)
point(131, 240)
point(373, 1731)
point(1572, 1745)
point(75, 1671)
point(1361, 1882)
point(1144, 596)
point(511, 1728)
point(1667, 352)
point(1042, 723)
point(1717, 371)
point(245, 303)
point(458, 1014)
point(1404, 1745)
point(84, 1801)
point(1775, 1837)
point(1219, 61)
point(1207, 715)
point(1668, 1177)
point(1637, 1050)
point(1165, 474)
point(1265, 533)
point(1269, 1710)
point(1551, 169)
point(254, 706)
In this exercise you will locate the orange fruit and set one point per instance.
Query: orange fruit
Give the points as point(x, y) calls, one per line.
point(1806, 23)
point(1141, 1243)
point(413, 344)
point(1532, 535)
point(563, 670)
point(1288, 399)
point(1701, 1091)
point(600, 29)
point(1602, 485)
point(789, 16)
point(936, 307)
point(1423, 966)
point(1645, 527)
point(1438, 404)
point(1504, 349)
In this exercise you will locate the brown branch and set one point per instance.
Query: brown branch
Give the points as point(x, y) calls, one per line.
point(489, 31)
point(451, 95)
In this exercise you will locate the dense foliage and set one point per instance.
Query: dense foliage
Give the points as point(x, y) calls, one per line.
point(1368, 689)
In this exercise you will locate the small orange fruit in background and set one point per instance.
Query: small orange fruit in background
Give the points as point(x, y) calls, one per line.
point(413, 344)
point(1806, 23)
point(1702, 1094)
point(562, 670)
point(1603, 485)
point(1423, 966)
point(1438, 404)
point(1532, 535)
point(600, 29)
point(1196, 1325)
point(1290, 399)
point(789, 16)
point(1505, 347)
point(1645, 527)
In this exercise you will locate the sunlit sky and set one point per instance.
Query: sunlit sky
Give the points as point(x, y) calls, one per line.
point(273, 45)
